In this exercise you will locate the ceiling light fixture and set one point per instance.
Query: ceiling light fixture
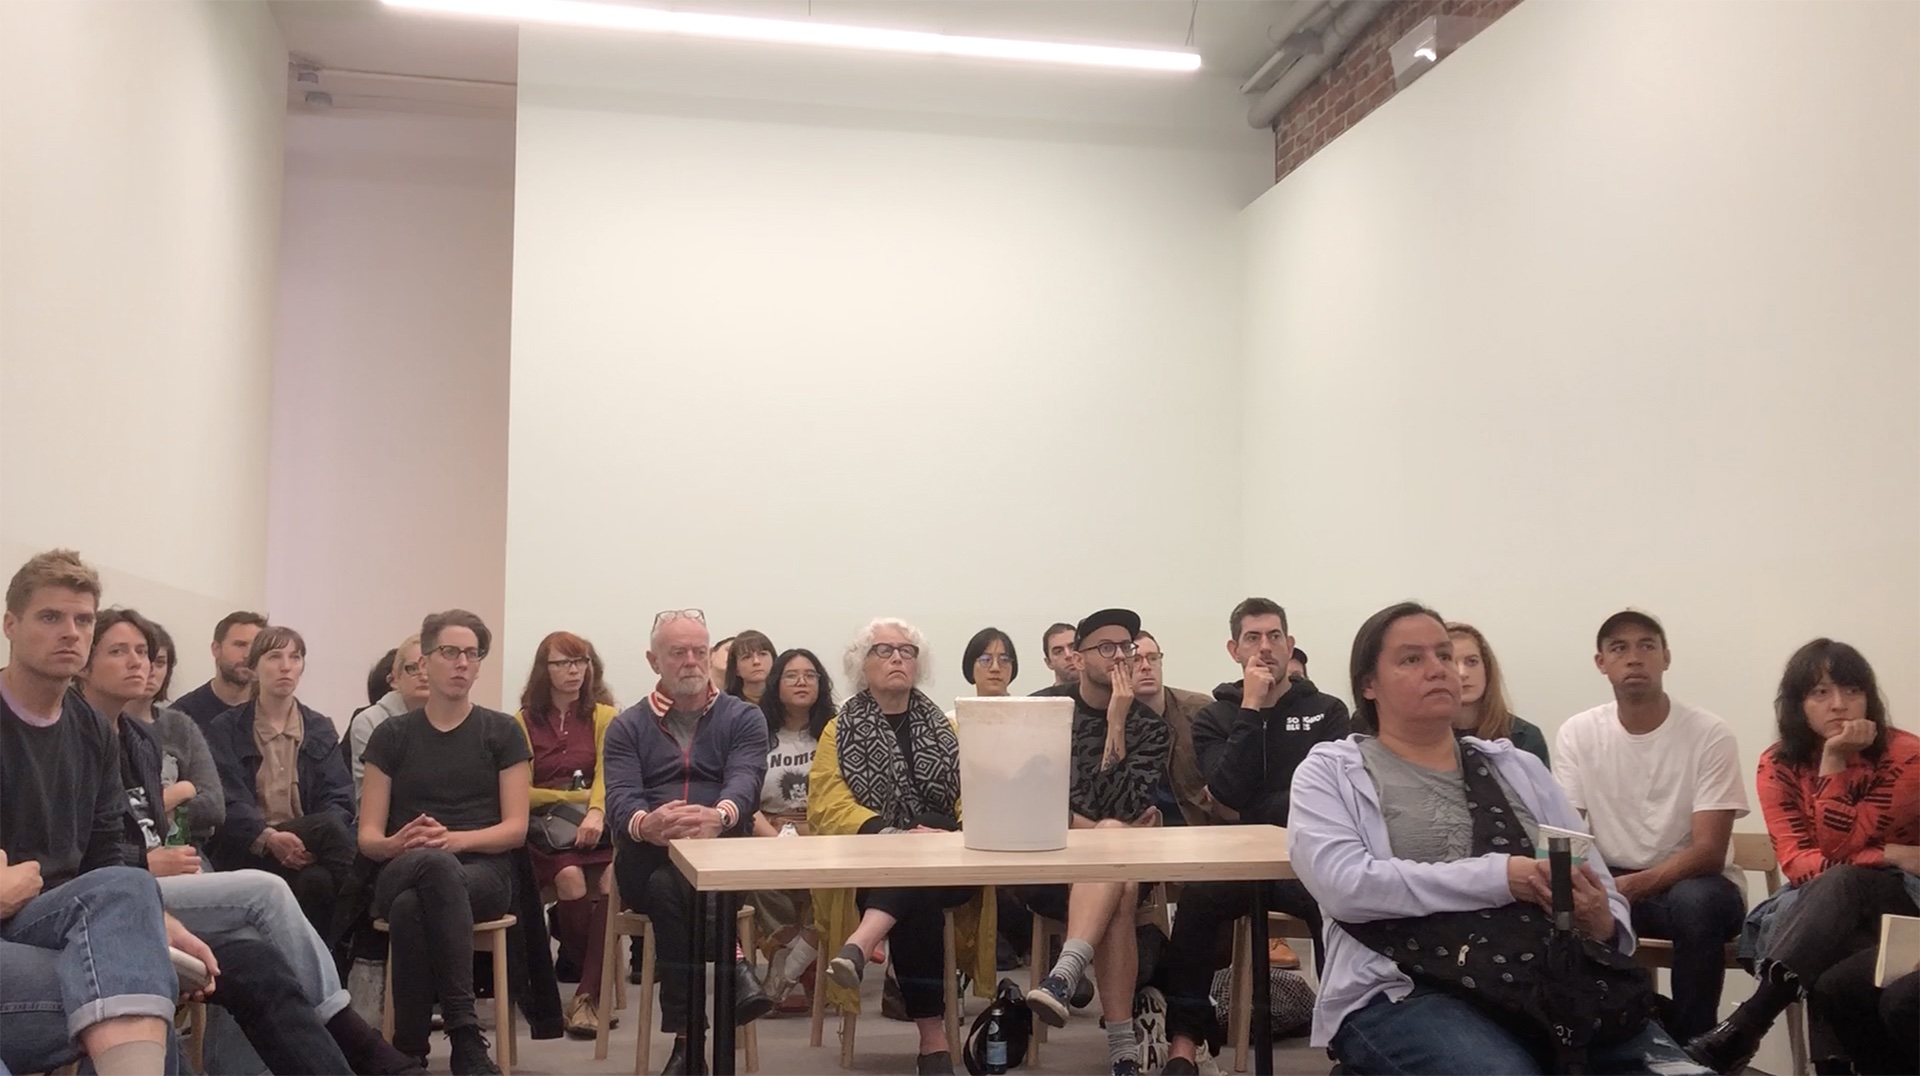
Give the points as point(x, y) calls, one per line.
point(614, 16)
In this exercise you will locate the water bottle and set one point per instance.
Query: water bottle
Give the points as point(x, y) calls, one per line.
point(994, 1055)
point(579, 782)
point(177, 836)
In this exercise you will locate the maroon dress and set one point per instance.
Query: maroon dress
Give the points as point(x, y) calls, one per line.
point(560, 748)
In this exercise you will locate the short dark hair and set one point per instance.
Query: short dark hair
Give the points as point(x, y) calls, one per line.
point(745, 645)
point(1368, 643)
point(977, 646)
point(273, 638)
point(435, 623)
point(1627, 618)
point(377, 686)
point(1252, 607)
point(235, 619)
point(110, 618)
point(1799, 745)
point(1047, 637)
point(163, 641)
point(770, 705)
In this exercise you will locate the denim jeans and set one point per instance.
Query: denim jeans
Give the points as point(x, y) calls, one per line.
point(1699, 915)
point(221, 903)
point(1434, 1032)
point(110, 941)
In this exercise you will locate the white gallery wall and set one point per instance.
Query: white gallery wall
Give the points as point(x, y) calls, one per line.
point(390, 387)
point(139, 222)
point(1604, 313)
point(806, 339)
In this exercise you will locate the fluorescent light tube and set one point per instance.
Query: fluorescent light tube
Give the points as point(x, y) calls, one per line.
point(615, 16)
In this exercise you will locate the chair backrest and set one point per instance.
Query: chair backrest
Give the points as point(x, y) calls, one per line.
point(1754, 852)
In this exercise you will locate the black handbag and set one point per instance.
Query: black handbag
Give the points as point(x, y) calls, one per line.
point(1558, 992)
point(552, 829)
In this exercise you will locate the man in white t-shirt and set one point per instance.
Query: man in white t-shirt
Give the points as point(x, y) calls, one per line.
point(1660, 783)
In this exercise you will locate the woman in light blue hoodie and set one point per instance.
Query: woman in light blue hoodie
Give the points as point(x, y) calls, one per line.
point(1383, 830)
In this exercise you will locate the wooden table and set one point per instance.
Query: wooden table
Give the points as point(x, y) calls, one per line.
point(722, 869)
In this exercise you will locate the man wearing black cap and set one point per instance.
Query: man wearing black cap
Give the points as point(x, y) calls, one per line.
point(1120, 752)
point(1250, 741)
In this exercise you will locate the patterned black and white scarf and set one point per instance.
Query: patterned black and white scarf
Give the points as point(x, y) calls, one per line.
point(877, 776)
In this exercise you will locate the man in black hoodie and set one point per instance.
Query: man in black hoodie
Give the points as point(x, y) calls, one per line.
point(1249, 742)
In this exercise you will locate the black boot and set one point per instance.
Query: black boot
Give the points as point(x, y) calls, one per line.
point(1730, 1044)
point(680, 1064)
point(750, 1000)
point(470, 1054)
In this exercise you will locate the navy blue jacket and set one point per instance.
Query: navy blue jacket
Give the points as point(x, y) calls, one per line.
point(646, 768)
point(324, 784)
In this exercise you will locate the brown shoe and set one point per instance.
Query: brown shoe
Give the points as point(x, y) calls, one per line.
point(1281, 955)
point(583, 1019)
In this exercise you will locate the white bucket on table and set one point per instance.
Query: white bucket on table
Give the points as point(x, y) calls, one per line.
point(1016, 759)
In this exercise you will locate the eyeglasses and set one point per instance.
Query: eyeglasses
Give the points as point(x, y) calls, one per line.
point(411, 668)
point(1108, 650)
point(992, 661)
point(568, 663)
point(667, 616)
point(1151, 659)
point(886, 651)
point(455, 653)
point(798, 676)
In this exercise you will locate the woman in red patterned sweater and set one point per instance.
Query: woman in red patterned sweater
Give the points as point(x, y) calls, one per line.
point(1841, 794)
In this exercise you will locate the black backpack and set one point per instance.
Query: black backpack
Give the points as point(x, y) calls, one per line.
point(1016, 1023)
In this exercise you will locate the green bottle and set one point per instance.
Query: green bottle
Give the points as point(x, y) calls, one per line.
point(177, 835)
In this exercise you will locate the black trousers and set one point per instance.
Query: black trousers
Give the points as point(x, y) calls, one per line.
point(1836, 916)
point(1202, 944)
point(317, 886)
point(258, 988)
point(430, 899)
point(1878, 1030)
point(917, 943)
point(651, 885)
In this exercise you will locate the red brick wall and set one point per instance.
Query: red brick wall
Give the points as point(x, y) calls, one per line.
point(1359, 81)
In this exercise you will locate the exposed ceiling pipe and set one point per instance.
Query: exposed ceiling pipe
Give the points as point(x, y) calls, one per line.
point(1347, 22)
point(1292, 38)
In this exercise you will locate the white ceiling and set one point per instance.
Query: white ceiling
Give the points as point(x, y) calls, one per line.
point(1233, 37)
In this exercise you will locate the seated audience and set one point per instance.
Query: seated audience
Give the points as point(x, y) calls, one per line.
point(990, 664)
point(565, 709)
point(1483, 696)
point(1841, 794)
point(1182, 794)
point(78, 927)
point(1660, 785)
point(1249, 740)
point(748, 662)
point(188, 770)
point(443, 802)
point(797, 713)
point(378, 676)
point(1120, 753)
point(890, 763)
point(717, 663)
point(1400, 833)
point(684, 763)
point(1056, 650)
point(406, 692)
point(232, 682)
point(289, 803)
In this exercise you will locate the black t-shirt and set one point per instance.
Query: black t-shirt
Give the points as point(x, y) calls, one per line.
point(61, 798)
point(452, 777)
point(201, 704)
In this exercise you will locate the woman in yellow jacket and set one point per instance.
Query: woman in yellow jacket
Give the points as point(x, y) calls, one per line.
point(565, 710)
point(890, 763)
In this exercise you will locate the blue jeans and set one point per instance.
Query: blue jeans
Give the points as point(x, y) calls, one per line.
point(220, 904)
point(1434, 1032)
point(102, 955)
point(1699, 915)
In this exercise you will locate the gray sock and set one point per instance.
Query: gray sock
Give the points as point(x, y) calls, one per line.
point(1120, 1044)
point(1075, 955)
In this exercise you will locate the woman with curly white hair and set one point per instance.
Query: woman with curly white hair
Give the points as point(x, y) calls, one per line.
point(890, 763)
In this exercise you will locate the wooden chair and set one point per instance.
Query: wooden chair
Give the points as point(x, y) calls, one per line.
point(849, 1021)
point(622, 924)
point(488, 937)
point(1240, 985)
point(1751, 852)
point(1046, 930)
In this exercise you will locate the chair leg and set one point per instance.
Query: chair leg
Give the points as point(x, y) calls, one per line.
point(817, 1033)
point(609, 976)
point(951, 989)
point(1240, 995)
point(848, 1022)
point(197, 1043)
point(644, 1049)
point(386, 998)
point(502, 1006)
point(749, 941)
point(1797, 1037)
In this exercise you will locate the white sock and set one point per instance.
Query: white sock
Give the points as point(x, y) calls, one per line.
point(800, 957)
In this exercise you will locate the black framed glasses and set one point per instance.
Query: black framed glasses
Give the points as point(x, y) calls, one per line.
point(455, 653)
point(1112, 650)
point(568, 663)
point(886, 651)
